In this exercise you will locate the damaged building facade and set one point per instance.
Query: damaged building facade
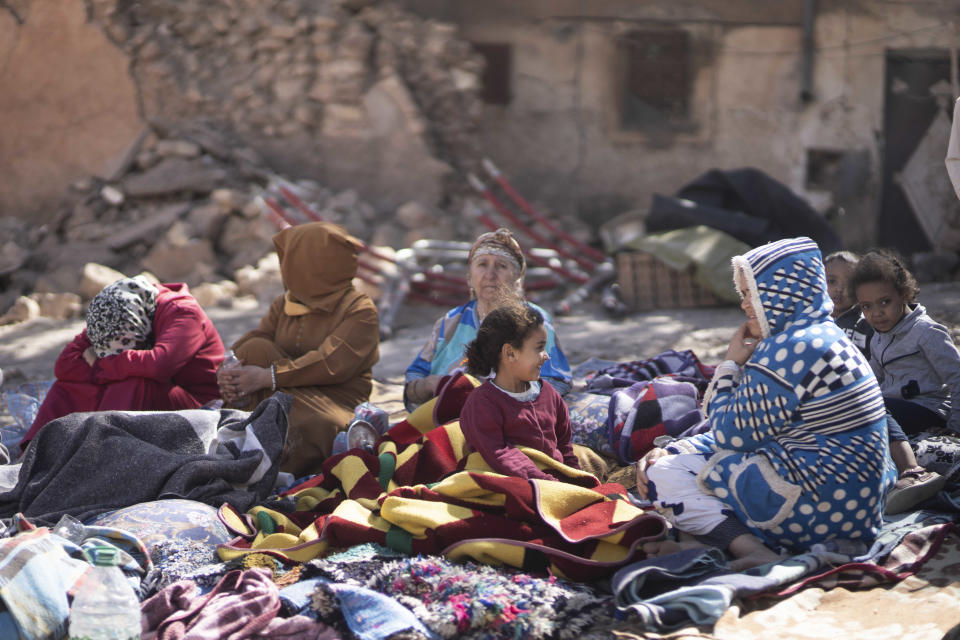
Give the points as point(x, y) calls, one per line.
point(594, 106)
point(590, 107)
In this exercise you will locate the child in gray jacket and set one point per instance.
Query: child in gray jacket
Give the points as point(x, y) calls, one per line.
point(913, 357)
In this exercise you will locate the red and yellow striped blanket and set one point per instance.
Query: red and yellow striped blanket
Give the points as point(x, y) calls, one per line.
point(426, 493)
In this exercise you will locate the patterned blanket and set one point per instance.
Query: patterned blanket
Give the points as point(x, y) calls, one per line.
point(428, 495)
point(680, 365)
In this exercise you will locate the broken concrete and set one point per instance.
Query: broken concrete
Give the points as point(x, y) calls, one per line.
point(148, 228)
point(174, 175)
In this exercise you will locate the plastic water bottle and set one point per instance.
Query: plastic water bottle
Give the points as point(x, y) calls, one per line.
point(231, 361)
point(362, 435)
point(105, 607)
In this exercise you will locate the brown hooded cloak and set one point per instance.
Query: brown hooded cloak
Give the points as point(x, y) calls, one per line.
point(322, 337)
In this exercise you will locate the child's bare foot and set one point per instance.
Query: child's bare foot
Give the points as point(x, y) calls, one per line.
point(749, 551)
point(666, 547)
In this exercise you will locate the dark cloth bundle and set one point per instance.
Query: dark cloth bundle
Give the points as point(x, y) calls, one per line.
point(85, 464)
point(746, 204)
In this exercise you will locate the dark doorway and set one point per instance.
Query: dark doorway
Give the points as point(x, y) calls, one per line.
point(909, 109)
point(496, 72)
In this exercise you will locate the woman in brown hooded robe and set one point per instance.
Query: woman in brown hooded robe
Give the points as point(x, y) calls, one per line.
point(318, 343)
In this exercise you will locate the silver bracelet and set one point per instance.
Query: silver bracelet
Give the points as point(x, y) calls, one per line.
point(273, 376)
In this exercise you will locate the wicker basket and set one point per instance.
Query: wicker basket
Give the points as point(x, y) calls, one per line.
point(647, 283)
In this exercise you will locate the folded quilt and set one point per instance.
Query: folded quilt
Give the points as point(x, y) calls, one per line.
point(85, 464)
point(435, 497)
point(641, 413)
point(680, 365)
point(35, 575)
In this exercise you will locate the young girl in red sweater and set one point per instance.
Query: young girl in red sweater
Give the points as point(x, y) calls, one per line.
point(514, 408)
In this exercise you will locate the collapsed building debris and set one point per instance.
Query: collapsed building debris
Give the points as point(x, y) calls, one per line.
point(241, 94)
point(187, 207)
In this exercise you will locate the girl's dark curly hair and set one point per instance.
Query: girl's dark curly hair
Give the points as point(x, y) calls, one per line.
point(884, 265)
point(508, 324)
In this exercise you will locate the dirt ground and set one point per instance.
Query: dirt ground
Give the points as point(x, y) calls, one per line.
point(28, 350)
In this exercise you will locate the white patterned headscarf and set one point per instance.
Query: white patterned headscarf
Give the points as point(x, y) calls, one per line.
point(120, 317)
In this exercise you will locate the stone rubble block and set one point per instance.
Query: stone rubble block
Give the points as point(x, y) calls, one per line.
point(244, 240)
point(148, 228)
point(60, 306)
point(175, 175)
point(112, 196)
point(206, 221)
point(190, 262)
point(95, 277)
point(210, 294)
point(180, 148)
point(262, 281)
point(23, 309)
point(12, 257)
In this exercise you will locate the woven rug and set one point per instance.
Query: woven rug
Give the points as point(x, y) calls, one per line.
point(465, 600)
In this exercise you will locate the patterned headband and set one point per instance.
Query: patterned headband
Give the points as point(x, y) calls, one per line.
point(492, 250)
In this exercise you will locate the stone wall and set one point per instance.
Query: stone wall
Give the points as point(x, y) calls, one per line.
point(352, 94)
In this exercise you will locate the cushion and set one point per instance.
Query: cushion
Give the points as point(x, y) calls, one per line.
point(160, 520)
point(588, 420)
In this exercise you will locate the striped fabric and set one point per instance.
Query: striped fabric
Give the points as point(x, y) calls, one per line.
point(434, 497)
point(35, 576)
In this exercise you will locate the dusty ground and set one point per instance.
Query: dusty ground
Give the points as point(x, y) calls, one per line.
point(28, 350)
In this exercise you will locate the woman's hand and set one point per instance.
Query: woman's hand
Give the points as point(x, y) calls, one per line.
point(645, 463)
point(423, 389)
point(89, 356)
point(742, 345)
point(238, 382)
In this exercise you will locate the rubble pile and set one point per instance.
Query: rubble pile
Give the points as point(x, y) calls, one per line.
point(187, 205)
point(236, 93)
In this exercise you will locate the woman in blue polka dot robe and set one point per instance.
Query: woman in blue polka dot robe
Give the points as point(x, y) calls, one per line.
point(797, 450)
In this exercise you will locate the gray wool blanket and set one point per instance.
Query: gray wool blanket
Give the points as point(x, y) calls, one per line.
point(85, 464)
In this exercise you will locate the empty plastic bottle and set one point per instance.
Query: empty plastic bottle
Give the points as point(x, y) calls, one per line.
point(105, 607)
